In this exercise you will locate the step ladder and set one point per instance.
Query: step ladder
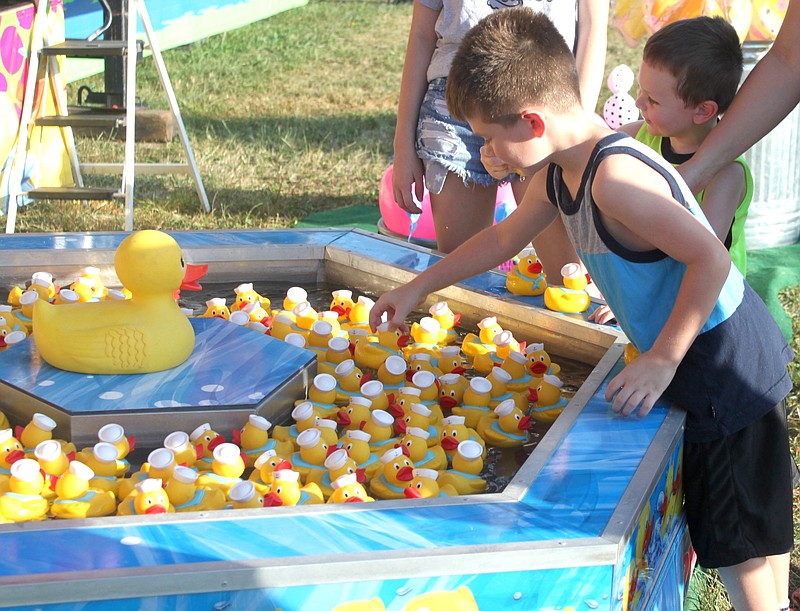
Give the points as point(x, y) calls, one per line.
point(42, 50)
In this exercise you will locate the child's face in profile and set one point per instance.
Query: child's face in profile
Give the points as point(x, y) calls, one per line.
point(514, 144)
point(663, 111)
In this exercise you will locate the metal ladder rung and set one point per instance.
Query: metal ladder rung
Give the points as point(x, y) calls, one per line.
point(83, 48)
point(82, 193)
point(138, 168)
point(85, 117)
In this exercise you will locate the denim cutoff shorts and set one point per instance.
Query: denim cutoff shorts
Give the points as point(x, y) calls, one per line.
point(446, 145)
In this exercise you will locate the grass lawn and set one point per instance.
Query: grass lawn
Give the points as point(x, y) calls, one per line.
point(287, 117)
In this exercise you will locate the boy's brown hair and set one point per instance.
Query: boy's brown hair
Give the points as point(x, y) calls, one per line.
point(703, 54)
point(511, 58)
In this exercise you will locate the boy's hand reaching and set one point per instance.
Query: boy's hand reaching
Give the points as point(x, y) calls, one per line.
point(602, 315)
point(396, 305)
point(640, 384)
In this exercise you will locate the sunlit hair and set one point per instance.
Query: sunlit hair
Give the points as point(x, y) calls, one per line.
point(703, 54)
point(511, 58)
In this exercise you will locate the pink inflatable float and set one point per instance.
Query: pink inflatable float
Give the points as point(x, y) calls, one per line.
point(398, 221)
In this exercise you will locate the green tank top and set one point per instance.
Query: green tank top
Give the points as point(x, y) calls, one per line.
point(734, 241)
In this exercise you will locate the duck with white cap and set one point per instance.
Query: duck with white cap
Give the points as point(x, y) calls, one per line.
point(332, 318)
point(294, 295)
point(380, 427)
point(102, 459)
point(245, 495)
point(451, 390)
point(473, 344)
point(216, 308)
point(475, 403)
point(39, 429)
point(572, 296)
point(391, 481)
point(337, 463)
point(8, 335)
point(115, 435)
point(342, 303)
point(375, 392)
point(147, 498)
point(186, 495)
point(205, 440)
point(347, 489)
point(424, 485)
point(359, 314)
point(507, 428)
point(447, 320)
point(245, 293)
point(23, 501)
point(356, 444)
point(185, 453)
point(7, 312)
point(391, 342)
point(322, 394)
point(227, 468)
point(311, 455)
point(304, 415)
point(253, 439)
point(349, 378)
point(450, 360)
point(392, 373)
point(415, 445)
point(353, 415)
point(318, 337)
point(10, 452)
point(75, 499)
point(419, 416)
point(422, 361)
point(454, 431)
point(539, 361)
point(505, 344)
point(287, 491)
point(500, 379)
point(263, 469)
point(516, 365)
point(526, 278)
point(465, 473)
point(428, 336)
point(52, 461)
point(160, 464)
point(427, 383)
point(548, 401)
point(336, 352)
point(406, 397)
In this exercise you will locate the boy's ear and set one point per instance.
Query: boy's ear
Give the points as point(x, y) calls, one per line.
point(535, 122)
point(705, 111)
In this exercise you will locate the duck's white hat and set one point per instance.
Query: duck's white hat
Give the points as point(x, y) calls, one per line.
point(500, 374)
point(45, 277)
point(390, 455)
point(215, 302)
point(395, 364)
point(286, 475)
point(450, 351)
point(15, 337)
point(324, 382)
point(91, 271)
point(553, 381)
point(527, 252)
point(161, 458)
point(303, 309)
point(308, 438)
point(176, 441)
point(410, 390)
point(517, 357)
point(49, 449)
point(25, 469)
point(450, 378)
point(371, 388)
point(504, 408)
point(418, 432)
point(420, 356)
point(42, 422)
point(245, 287)
point(381, 417)
point(188, 312)
point(428, 473)
point(469, 449)
point(366, 301)
point(259, 422)
point(148, 485)
point(336, 459)
point(489, 321)
point(295, 339)
point(105, 452)
point(283, 319)
point(184, 475)
point(360, 435)
point(6, 434)
point(325, 423)
point(111, 433)
point(571, 270)
point(453, 420)
point(363, 401)
point(421, 409)
point(534, 348)
point(345, 367)
point(81, 470)
point(338, 344)
point(480, 385)
point(241, 492)
point(348, 479)
point(227, 453)
point(423, 379)
point(28, 298)
point(264, 457)
point(343, 293)
point(303, 411)
point(440, 307)
point(198, 432)
point(384, 326)
point(297, 294)
point(322, 327)
point(504, 338)
point(431, 325)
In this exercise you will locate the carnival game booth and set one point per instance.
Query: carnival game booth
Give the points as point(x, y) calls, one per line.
point(591, 518)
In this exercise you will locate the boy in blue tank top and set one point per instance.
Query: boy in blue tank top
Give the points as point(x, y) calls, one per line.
point(707, 342)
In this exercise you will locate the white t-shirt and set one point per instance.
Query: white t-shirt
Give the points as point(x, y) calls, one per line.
point(458, 16)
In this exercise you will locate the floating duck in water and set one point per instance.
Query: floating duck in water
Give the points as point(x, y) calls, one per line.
point(304, 318)
point(356, 444)
point(185, 453)
point(447, 320)
point(253, 439)
point(264, 467)
point(392, 373)
point(423, 485)
point(406, 397)
point(53, 462)
point(286, 491)
point(295, 295)
point(428, 385)
point(7, 333)
point(526, 278)
point(311, 456)
point(102, 459)
point(416, 445)
point(454, 431)
point(318, 337)
point(337, 463)
point(349, 379)
point(328, 430)
point(475, 403)
point(418, 415)
point(74, 498)
point(473, 345)
point(572, 296)
point(147, 498)
point(347, 489)
point(426, 334)
point(504, 344)
point(380, 427)
point(539, 362)
point(217, 308)
point(245, 495)
point(342, 303)
point(23, 500)
point(39, 429)
point(322, 395)
point(359, 314)
point(304, 415)
point(450, 360)
point(227, 468)
point(467, 465)
point(160, 464)
point(377, 395)
point(390, 343)
point(507, 428)
point(145, 333)
point(336, 352)
point(10, 452)
point(516, 365)
point(355, 414)
point(422, 361)
point(451, 389)
point(245, 293)
point(115, 435)
point(548, 402)
point(185, 494)
point(392, 480)
point(500, 379)
point(205, 440)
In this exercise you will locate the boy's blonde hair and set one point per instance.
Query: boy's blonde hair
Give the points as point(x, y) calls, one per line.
point(511, 58)
point(703, 54)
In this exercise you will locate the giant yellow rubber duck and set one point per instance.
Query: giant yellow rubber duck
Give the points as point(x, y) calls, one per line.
point(460, 599)
point(145, 333)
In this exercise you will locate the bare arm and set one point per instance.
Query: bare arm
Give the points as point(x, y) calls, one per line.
point(768, 94)
point(722, 197)
point(480, 253)
point(414, 83)
point(590, 54)
point(632, 204)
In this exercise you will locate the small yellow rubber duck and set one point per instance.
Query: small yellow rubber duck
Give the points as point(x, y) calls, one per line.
point(349, 378)
point(294, 295)
point(427, 335)
point(392, 373)
point(10, 452)
point(216, 308)
point(286, 491)
point(447, 320)
point(475, 403)
point(342, 303)
point(52, 461)
point(418, 415)
point(451, 389)
point(464, 475)
point(205, 440)
point(311, 455)
point(450, 360)
point(185, 453)
point(377, 395)
point(354, 414)
point(304, 415)
point(245, 495)
point(264, 467)
point(115, 435)
point(380, 427)
point(23, 500)
point(507, 428)
point(392, 480)
point(505, 344)
point(526, 278)
point(147, 498)
point(347, 489)
point(185, 494)
point(423, 485)
point(539, 362)
point(253, 439)
point(337, 351)
point(322, 394)
point(143, 334)
point(337, 463)
point(390, 343)
point(427, 383)
point(245, 293)
point(160, 464)
point(422, 361)
point(356, 444)
point(516, 365)
point(359, 314)
point(548, 402)
point(473, 345)
point(75, 499)
point(415, 445)
point(454, 431)
point(39, 429)
point(227, 468)
point(500, 379)
point(102, 459)
point(572, 296)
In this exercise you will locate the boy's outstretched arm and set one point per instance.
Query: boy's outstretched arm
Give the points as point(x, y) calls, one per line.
point(480, 253)
point(638, 209)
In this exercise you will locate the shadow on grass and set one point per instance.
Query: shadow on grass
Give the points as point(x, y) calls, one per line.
point(331, 133)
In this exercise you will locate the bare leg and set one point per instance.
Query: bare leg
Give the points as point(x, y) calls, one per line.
point(780, 573)
point(552, 245)
point(751, 585)
point(459, 212)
